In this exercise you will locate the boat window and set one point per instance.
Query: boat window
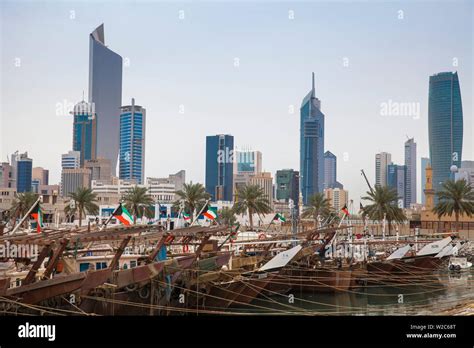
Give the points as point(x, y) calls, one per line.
point(133, 263)
point(83, 267)
point(100, 265)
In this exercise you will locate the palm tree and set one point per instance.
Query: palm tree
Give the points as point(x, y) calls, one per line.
point(226, 216)
point(135, 198)
point(84, 202)
point(318, 207)
point(22, 203)
point(384, 203)
point(252, 200)
point(456, 197)
point(193, 196)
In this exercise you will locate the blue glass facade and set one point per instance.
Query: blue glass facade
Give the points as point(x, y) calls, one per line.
point(396, 179)
point(311, 146)
point(246, 161)
point(445, 126)
point(219, 167)
point(84, 132)
point(105, 94)
point(132, 143)
point(24, 173)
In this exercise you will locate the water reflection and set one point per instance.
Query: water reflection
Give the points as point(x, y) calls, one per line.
point(430, 295)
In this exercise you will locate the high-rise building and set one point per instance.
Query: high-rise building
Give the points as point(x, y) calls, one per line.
point(40, 177)
point(7, 180)
point(382, 160)
point(445, 125)
point(410, 178)
point(337, 198)
point(287, 185)
point(424, 164)
point(311, 145)
point(396, 179)
point(84, 131)
point(41, 174)
point(265, 181)
point(219, 166)
point(105, 94)
point(99, 168)
point(72, 179)
point(330, 171)
point(132, 142)
point(24, 169)
point(71, 160)
point(248, 161)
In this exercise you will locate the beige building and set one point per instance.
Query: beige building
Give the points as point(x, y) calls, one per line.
point(265, 181)
point(337, 197)
point(430, 220)
point(72, 179)
point(41, 175)
point(100, 168)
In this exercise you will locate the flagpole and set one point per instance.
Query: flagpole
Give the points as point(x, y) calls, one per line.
point(197, 216)
point(104, 225)
point(24, 217)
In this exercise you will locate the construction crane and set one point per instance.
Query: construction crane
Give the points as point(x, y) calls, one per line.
point(367, 181)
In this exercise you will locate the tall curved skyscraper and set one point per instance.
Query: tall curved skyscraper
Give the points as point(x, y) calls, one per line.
point(105, 92)
point(311, 145)
point(445, 125)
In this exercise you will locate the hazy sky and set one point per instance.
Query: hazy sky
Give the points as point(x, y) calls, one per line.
point(364, 54)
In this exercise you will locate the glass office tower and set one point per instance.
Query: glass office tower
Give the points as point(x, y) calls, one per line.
point(105, 93)
point(445, 126)
point(219, 166)
point(311, 145)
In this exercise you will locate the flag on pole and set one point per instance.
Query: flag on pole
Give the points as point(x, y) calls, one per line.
point(123, 215)
point(209, 212)
point(344, 209)
point(186, 216)
point(279, 217)
point(38, 216)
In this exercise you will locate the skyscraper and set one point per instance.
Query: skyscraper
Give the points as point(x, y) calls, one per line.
point(330, 169)
point(24, 169)
point(71, 160)
point(410, 178)
point(424, 164)
point(382, 160)
point(132, 142)
point(396, 179)
point(219, 166)
point(84, 131)
point(445, 126)
point(105, 92)
point(311, 145)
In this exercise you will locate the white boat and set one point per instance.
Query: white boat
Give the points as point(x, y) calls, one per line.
point(459, 263)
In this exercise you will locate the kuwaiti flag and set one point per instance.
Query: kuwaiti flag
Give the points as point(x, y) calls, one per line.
point(38, 216)
point(209, 212)
point(279, 217)
point(123, 215)
point(186, 216)
point(344, 209)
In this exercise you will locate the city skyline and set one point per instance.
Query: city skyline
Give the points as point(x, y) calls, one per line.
point(348, 123)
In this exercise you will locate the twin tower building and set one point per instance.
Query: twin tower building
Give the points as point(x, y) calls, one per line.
point(104, 129)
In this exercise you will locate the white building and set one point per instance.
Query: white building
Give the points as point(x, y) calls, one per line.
point(382, 160)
